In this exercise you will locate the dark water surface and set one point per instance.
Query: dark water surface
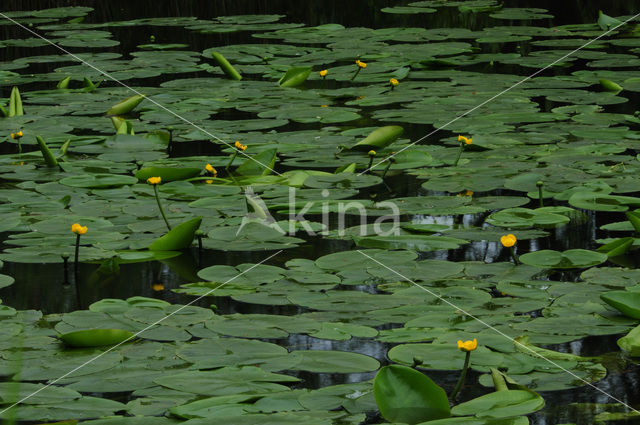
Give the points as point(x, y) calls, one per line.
point(43, 287)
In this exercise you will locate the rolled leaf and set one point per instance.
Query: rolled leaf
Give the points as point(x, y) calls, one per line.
point(122, 126)
point(634, 218)
point(226, 67)
point(379, 138)
point(63, 149)
point(126, 105)
point(88, 85)
point(347, 168)
point(49, 159)
point(407, 396)
point(626, 302)
point(631, 342)
point(168, 174)
point(295, 76)
point(95, 337)
point(606, 22)
point(619, 246)
point(178, 238)
point(64, 83)
point(609, 85)
point(258, 165)
point(15, 103)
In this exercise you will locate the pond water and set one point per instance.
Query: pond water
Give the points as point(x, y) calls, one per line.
point(316, 299)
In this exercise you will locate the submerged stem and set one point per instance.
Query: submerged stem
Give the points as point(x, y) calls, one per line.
point(513, 255)
point(155, 191)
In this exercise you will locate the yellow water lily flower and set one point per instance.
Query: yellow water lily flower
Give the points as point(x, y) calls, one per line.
point(372, 153)
point(394, 82)
point(240, 146)
point(78, 229)
point(209, 168)
point(361, 64)
point(323, 73)
point(208, 181)
point(467, 345)
point(157, 287)
point(465, 140)
point(16, 135)
point(508, 240)
point(154, 180)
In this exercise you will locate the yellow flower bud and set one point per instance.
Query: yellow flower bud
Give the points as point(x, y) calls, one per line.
point(154, 180)
point(394, 82)
point(361, 64)
point(324, 73)
point(467, 345)
point(508, 240)
point(372, 153)
point(78, 229)
point(209, 168)
point(157, 287)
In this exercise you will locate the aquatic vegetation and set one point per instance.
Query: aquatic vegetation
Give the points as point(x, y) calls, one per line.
point(393, 239)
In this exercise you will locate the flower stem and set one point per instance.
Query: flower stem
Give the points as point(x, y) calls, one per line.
point(155, 190)
point(233, 157)
point(370, 164)
point(75, 265)
point(455, 163)
point(512, 251)
point(463, 375)
point(356, 74)
point(384, 173)
point(540, 196)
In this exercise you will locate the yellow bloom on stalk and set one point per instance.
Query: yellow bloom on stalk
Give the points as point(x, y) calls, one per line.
point(465, 140)
point(240, 146)
point(372, 153)
point(211, 170)
point(361, 64)
point(467, 346)
point(468, 193)
point(394, 82)
point(508, 240)
point(154, 180)
point(208, 181)
point(157, 287)
point(16, 135)
point(78, 229)
point(324, 73)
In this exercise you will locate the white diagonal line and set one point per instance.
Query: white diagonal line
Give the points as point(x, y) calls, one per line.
point(501, 93)
point(498, 331)
point(106, 74)
point(136, 334)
